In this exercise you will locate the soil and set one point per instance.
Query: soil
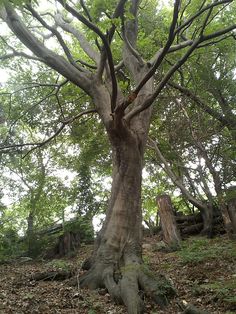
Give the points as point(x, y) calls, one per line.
point(206, 281)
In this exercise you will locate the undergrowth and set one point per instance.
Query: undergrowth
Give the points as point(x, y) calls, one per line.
point(197, 250)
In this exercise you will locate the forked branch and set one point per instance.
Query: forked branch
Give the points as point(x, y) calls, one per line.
point(164, 51)
point(175, 67)
point(105, 42)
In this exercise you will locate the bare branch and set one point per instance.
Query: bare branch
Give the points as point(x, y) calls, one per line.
point(16, 53)
point(85, 10)
point(173, 177)
point(133, 51)
point(210, 43)
point(219, 33)
point(19, 54)
point(174, 68)
point(161, 56)
point(186, 24)
point(164, 50)
point(163, 82)
point(206, 21)
point(119, 11)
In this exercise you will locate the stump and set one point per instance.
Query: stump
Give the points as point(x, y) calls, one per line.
point(171, 234)
point(68, 243)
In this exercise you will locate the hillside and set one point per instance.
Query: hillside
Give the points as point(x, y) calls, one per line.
point(203, 273)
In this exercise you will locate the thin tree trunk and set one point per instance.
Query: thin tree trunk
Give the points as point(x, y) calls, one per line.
point(232, 213)
point(219, 192)
point(30, 233)
point(206, 211)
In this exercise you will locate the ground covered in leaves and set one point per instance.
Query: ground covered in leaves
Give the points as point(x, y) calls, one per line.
point(203, 273)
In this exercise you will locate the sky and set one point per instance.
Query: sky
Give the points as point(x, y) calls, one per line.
point(3, 76)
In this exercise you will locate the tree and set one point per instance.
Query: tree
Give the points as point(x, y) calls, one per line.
point(124, 109)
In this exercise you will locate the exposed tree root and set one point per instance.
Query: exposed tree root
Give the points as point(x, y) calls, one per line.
point(124, 288)
point(159, 289)
point(52, 275)
point(130, 290)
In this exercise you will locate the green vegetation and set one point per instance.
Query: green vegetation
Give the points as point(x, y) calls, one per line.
point(58, 265)
point(198, 250)
point(220, 290)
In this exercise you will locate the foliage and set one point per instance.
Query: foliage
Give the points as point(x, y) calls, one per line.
point(58, 265)
point(82, 226)
point(198, 250)
point(9, 244)
point(219, 290)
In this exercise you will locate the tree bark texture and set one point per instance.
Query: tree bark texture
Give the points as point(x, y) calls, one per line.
point(207, 217)
point(30, 234)
point(68, 243)
point(232, 213)
point(117, 259)
point(168, 222)
point(231, 202)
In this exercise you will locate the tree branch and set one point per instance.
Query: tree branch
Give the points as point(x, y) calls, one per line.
point(189, 21)
point(85, 45)
point(174, 68)
point(164, 50)
point(16, 53)
point(49, 57)
point(57, 34)
point(201, 11)
point(174, 178)
point(105, 42)
point(7, 148)
point(162, 84)
point(19, 54)
point(200, 103)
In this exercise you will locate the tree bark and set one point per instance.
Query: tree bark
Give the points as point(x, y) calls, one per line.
point(168, 221)
point(219, 192)
point(206, 211)
point(231, 200)
point(30, 234)
point(117, 259)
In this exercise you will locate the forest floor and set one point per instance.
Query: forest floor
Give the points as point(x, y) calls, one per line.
point(203, 273)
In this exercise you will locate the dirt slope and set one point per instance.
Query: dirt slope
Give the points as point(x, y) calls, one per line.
point(203, 273)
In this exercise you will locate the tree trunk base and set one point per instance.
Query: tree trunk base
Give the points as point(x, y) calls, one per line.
point(128, 284)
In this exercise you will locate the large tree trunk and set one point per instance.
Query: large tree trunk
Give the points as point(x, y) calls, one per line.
point(117, 259)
